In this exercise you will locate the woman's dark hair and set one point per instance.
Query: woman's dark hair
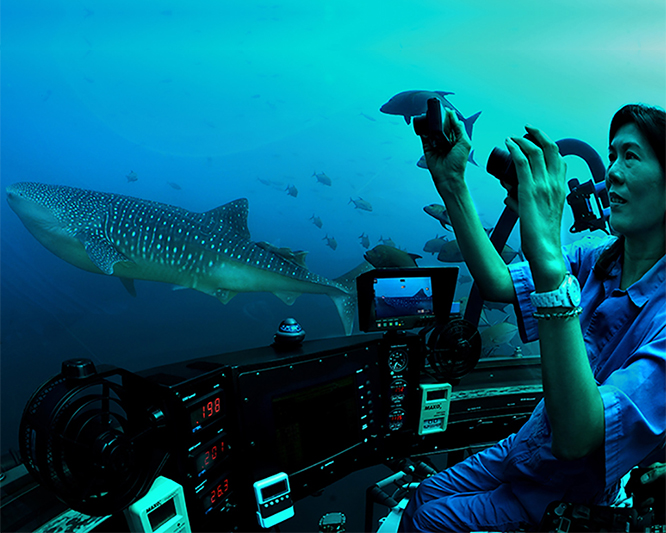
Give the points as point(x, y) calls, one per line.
point(651, 122)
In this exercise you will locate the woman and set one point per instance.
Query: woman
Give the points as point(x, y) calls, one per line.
point(602, 349)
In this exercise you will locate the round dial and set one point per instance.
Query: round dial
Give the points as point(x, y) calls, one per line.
point(397, 360)
point(396, 419)
point(398, 389)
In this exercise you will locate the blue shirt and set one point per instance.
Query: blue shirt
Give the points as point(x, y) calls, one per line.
point(625, 337)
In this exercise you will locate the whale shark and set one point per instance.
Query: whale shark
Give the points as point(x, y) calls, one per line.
point(209, 251)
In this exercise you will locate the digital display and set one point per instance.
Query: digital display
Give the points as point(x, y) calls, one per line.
point(400, 297)
point(316, 423)
point(437, 394)
point(273, 490)
point(160, 515)
point(398, 386)
point(211, 454)
point(215, 493)
point(206, 410)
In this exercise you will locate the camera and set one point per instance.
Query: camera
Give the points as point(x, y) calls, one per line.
point(430, 125)
point(500, 164)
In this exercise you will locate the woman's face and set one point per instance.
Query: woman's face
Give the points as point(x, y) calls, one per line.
point(635, 183)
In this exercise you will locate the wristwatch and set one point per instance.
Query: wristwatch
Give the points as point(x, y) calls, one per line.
point(566, 295)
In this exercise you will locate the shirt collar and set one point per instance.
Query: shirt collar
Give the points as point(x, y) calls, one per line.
point(641, 291)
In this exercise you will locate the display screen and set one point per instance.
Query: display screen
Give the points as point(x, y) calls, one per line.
point(399, 297)
point(206, 410)
point(215, 493)
point(437, 394)
point(316, 423)
point(160, 515)
point(273, 490)
point(211, 455)
point(405, 298)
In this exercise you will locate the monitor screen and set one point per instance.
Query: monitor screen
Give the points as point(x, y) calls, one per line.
point(315, 423)
point(397, 297)
point(402, 299)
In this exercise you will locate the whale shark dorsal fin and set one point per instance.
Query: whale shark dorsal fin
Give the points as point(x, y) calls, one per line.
point(231, 215)
point(299, 258)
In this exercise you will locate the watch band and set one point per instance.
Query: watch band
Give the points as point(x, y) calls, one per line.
point(566, 295)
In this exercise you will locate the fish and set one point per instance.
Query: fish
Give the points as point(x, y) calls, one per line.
point(360, 204)
point(316, 221)
point(496, 335)
point(365, 240)
point(292, 190)
point(387, 242)
point(132, 176)
point(384, 256)
point(450, 253)
point(439, 212)
point(433, 246)
point(497, 306)
point(322, 178)
point(174, 185)
point(330, 242)
point(133, 238)
point(509, 254)
point(464, 278)
point(414, 103)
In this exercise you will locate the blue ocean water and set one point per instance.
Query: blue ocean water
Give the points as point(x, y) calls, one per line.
point(198, 104)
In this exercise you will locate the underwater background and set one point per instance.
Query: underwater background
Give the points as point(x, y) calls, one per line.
point(196, 104)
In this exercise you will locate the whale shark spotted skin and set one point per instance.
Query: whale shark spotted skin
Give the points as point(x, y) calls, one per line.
point(133, 239)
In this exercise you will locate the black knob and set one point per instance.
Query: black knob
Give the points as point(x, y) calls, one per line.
point(78, 368)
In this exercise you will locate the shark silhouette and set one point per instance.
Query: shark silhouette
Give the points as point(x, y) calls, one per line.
point(133, 239)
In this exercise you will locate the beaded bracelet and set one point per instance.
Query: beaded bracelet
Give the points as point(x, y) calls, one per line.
point(566, 314)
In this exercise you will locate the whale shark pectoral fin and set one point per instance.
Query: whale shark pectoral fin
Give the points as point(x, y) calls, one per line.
point(128, 283)
point(103, 254)
point(224, 295)
point(287, 297)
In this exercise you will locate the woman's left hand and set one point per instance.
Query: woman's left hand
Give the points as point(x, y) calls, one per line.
point(542, 191)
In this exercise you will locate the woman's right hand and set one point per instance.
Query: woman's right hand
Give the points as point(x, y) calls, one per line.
point(447, 169)
point(655, 473)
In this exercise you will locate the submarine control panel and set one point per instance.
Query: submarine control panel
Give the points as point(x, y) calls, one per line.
point(247, 433)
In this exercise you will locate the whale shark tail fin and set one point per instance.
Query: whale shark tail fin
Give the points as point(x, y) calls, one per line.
point(345, 303)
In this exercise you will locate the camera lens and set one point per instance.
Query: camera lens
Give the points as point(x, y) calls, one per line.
point(501, 166)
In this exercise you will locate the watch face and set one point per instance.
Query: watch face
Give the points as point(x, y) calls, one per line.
point(573, 291)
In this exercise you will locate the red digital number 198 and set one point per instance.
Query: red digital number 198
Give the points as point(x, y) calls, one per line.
point(211, 408)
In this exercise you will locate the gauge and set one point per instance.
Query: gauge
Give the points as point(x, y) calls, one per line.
point(396, 419)
point(397, 360)
point(397, 389)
